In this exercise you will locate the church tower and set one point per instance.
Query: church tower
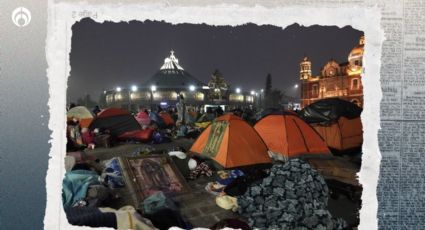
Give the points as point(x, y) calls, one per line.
point(305, 69)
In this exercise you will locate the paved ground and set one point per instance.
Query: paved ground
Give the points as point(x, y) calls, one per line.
point(198, 207)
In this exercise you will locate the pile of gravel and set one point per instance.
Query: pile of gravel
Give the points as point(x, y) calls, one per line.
point(293, 196)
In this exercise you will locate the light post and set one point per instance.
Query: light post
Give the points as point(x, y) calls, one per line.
point(296, 86)
point(133, 89)
point(116, 98)
point(192, 89)
point(253, 97)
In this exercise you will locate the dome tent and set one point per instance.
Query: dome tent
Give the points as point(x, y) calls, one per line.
point(231, 142)
point(338, 122)
point(287, 134)
point(116, 120)
point(82, 114)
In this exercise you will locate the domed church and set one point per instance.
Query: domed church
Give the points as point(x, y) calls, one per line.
point(162, 88)
point(172, 80)
point(341, 80)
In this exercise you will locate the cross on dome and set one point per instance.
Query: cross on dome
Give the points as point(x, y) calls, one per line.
point(171, 62)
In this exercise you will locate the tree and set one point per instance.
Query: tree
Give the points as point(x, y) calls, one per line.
point(86, 101)
point(276, 98)
point(217, 85)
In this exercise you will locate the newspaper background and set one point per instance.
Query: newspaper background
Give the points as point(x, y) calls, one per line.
point(401, 140)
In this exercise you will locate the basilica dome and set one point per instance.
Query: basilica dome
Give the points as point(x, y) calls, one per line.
point(356, 55)
point(171, 75)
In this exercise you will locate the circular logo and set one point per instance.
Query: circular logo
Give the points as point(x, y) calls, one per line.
point(21, 17)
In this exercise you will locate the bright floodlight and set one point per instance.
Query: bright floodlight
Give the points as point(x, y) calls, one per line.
point(118, 89)
point(296, 86)
point(134, 88)
point(262, 90)
point(252, 92)
point(153, 88)
point(192, 88)
point(238, 90)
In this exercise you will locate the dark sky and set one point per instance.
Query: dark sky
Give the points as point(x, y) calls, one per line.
point(108, 55)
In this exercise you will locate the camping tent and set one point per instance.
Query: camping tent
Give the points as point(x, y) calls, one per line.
point(329, 110)
point(289, 135)
point(84, 116)
point(338, 122)
point(231, 142)
point(143, 118)
point(166, 117)
point(116, 120)
point(157, 119)
point(266, 112)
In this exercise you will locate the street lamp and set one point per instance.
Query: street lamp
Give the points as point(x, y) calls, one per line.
point(296, 86)
point(133, 89)
point(118, 89)
point(238, 90)
point(192, 88)
point(252, 92)
point(153, 88)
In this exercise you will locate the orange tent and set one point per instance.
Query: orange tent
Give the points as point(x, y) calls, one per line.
point(289, 135)
point(343, 135)
point(166, 117)
point(231, 142)
point(338, 122)
point(84, 116)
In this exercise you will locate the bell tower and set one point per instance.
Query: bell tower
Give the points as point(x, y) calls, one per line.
point(305, 69)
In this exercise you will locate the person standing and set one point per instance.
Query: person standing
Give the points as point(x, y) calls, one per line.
point(181, 109)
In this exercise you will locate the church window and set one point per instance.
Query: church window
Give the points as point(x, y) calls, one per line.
point(315, 89)
point(355, 83)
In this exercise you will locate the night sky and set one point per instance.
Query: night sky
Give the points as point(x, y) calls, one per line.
point(108, 55)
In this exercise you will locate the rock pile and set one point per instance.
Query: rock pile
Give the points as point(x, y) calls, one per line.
point(293, 196)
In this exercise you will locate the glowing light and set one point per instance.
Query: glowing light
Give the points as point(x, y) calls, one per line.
point(238, 90)
point(192, 88)
point(296, 86)
point(134, 88)
point(118, 89)
point(153, 88)
point(252, 92)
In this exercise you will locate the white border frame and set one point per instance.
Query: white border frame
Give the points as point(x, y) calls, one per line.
point(61, 18)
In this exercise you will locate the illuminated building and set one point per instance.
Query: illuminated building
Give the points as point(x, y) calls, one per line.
point(335, 80)
point(170, 81)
